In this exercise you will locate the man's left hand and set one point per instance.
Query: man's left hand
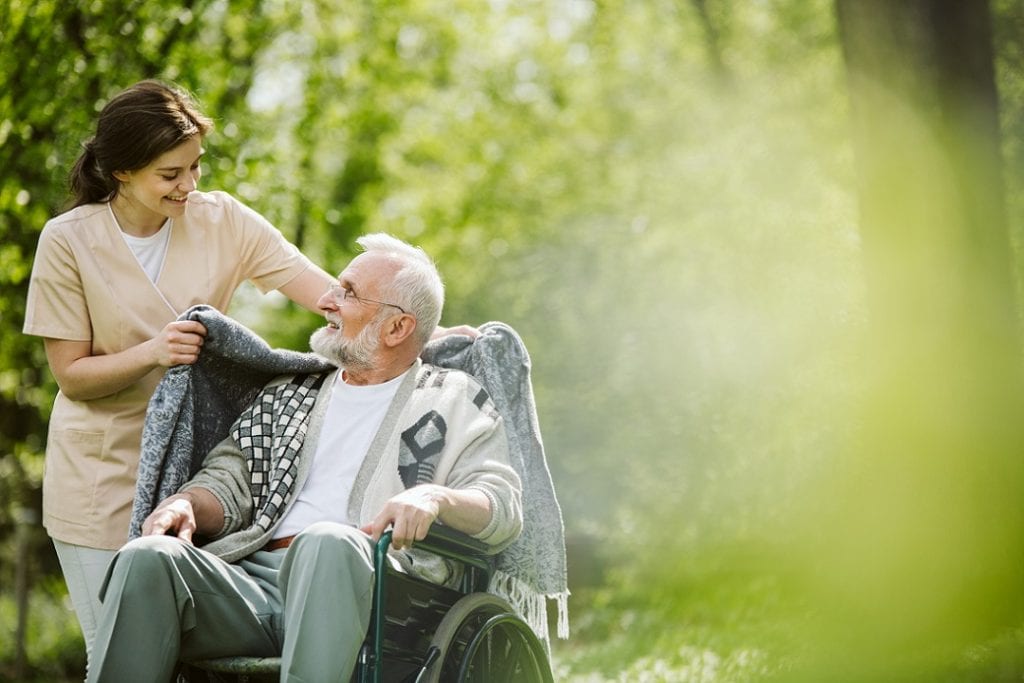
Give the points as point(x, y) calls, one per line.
point(409, 514)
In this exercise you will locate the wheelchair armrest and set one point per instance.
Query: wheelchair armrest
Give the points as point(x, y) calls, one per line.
point(447, 541)
point(444, 542)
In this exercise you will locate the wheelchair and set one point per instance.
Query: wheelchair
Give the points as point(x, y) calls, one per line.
point(421, 632)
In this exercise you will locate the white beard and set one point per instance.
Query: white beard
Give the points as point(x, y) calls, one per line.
point(354, 354)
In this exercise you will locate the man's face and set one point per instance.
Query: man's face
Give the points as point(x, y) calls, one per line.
point(351, 337)
point(356, 353)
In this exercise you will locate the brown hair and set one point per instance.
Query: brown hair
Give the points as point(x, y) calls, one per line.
point(134, 128)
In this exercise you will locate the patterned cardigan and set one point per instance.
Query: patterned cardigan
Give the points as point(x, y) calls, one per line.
point(440, 428)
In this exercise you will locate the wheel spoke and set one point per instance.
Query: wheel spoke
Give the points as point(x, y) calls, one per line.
point(513, 648)
point(484, 641)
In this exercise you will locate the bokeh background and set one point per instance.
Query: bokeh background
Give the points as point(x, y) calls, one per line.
point(765, 255)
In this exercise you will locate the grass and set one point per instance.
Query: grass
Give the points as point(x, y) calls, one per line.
point(679, 622)
point(726, 618)
point(721, 618)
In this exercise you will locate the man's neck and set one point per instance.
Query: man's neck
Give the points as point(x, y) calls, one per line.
point(377, 375)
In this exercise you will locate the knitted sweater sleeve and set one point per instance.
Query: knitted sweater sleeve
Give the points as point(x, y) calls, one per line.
point(483, 466)
point(476, 457)
point(226, 475)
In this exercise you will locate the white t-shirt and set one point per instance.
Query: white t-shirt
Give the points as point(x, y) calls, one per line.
point(151, 251)
point(351, 420)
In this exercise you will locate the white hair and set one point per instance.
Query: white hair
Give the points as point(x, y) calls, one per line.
point(416, 286)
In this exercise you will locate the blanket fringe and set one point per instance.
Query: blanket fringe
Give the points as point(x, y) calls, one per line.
point(531, 606)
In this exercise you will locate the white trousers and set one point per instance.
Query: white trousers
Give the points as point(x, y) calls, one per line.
point(84, 570)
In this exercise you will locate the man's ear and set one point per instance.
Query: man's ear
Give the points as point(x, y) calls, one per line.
point(398, 329)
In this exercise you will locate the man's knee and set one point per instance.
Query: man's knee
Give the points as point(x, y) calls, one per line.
point(143, 561)
point(340, 542)
point(152, 548)
point(330, 567)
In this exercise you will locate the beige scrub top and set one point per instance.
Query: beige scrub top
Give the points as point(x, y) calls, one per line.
point(87, 285)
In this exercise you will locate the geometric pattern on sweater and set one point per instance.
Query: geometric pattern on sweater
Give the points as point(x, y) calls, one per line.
point(270, 433)
point(420, 447)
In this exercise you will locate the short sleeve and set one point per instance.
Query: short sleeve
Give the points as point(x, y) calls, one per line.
point(269, 260)
point(56, 305)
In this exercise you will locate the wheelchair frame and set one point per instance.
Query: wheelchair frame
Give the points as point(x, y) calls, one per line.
point(477, 638)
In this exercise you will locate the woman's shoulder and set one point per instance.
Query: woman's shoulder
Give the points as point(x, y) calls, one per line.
point(76, 226)
point(215, 200)
point(86, 213)
point(218, 207)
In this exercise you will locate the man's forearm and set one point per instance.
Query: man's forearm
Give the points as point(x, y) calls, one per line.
point(185, 513)
point(207, 509)
point(467, 510)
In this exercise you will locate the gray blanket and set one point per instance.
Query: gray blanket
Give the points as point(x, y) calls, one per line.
point(534, 567)
point(194, 407)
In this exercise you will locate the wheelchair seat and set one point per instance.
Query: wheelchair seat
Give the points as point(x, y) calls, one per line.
point(421, 632)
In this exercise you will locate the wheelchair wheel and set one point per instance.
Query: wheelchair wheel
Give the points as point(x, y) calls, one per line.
point(481, 639)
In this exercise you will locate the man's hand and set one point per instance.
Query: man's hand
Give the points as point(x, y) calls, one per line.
point(410, 515)
point(174, 516)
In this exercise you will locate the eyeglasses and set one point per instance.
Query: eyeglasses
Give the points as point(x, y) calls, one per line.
point(342, 294)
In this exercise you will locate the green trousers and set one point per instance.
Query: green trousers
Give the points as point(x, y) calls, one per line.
point(165, 600)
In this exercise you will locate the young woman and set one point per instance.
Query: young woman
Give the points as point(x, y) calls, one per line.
point(139, 246)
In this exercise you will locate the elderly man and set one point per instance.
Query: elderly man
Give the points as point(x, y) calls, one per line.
point(313, 473)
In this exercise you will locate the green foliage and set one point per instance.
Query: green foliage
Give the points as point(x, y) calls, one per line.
point(54, 644)
point(659, 196)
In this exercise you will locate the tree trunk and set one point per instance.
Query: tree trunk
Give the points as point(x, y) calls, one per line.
point(924, 524)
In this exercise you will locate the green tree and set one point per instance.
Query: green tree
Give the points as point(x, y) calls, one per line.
point(660, 196)
point(60, 61)
point(915, 561)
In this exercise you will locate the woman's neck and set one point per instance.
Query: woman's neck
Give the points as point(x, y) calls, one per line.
point(134, 220)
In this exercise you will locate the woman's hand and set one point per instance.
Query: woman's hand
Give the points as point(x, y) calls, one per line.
point(178, 343)
point(464, 330)
point(83, 376)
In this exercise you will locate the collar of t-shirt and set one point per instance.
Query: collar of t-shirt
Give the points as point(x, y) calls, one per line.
point(151, 251)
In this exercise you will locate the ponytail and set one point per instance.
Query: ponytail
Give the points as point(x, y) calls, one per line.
point(89, 184)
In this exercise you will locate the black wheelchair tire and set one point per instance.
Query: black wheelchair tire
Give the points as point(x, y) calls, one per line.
point(482, 639)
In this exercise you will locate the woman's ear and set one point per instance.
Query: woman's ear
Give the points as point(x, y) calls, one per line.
point(122, 176)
